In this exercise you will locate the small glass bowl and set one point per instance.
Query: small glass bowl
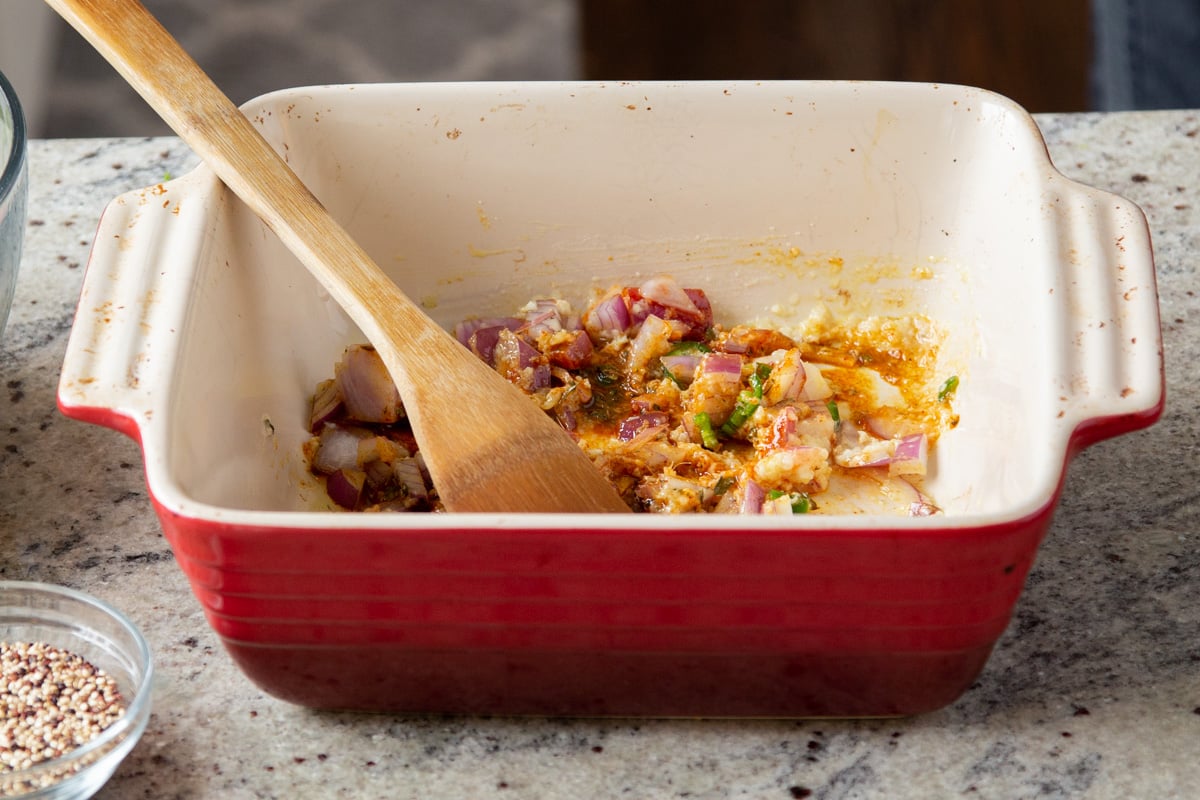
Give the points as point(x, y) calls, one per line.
point(79, 624)
point(14, 189)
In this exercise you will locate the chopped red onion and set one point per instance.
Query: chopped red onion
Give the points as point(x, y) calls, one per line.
point(682, 367)
point(653, 340)
point(512, 353)
point(786, 380)
point(326, 405)
point(636, 424)
point(345, 487)
point(379, 448)
point(608, 318)
point(540, 377)
point(663, 298)
point(714, 390)
point(665, 291)
point(702, 303)
point(367, 389)
point(752, 498)
point(570, 349)
point(338, 448)
point(921, 506)
point(722, 363)
point(378, 473)
point(408, 474)
point(464, 329)
point(543, 316)
point(911, 456)
point(815, 386)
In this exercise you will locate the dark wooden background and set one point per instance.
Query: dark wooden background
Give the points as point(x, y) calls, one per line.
point(1036, 52)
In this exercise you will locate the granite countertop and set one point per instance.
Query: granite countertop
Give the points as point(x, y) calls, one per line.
point(1093, 692)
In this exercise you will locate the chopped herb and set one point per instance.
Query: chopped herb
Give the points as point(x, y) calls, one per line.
point(606, 376)
point(688, 348)
point(608, 400)
point(947, 389)
point(708, 437)
point(166, 176)
point(723, 484)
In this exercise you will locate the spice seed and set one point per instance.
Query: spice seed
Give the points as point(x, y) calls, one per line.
point(51, 701)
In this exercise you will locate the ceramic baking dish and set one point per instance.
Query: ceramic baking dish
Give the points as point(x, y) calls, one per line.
point(199, 336)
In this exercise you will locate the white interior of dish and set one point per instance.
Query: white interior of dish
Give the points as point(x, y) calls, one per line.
point(771, 197)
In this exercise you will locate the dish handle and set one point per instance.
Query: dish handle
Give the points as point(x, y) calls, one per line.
point(128, 317)
point(1113, 375)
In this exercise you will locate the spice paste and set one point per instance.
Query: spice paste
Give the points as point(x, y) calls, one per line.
point(680, 413)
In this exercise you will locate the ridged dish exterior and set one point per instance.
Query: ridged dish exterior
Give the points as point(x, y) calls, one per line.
point(675, 623)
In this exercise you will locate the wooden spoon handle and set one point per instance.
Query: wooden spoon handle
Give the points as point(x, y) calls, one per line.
point(154, 64)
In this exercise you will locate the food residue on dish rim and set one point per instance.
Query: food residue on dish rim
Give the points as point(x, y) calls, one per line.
point(681, 413)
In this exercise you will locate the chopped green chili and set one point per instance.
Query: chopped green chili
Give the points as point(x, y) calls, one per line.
point(833, 412)
point(745, 408)
point(758, 378)
point(801, 503)
point(708, 437)
point(722, 485)
point(947, 389)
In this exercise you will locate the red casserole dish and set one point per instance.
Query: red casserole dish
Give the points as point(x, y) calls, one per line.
point(201, 338)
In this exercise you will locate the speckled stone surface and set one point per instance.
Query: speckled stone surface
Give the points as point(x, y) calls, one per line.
point(1093, 692)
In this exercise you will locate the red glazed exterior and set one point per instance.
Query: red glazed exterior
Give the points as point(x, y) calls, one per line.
point(679, 622)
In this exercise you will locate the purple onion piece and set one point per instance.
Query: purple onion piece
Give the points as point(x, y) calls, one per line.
point(702, 303)
point(633, 425)
point(610, 315)
point(575, 352)
point(722, 363)
point(408, 474)
point(367, 389)
point(682, 367)
point(752, 498)
point(338, 448)
point(544, 317)
point(464, 329)
point(512, 352)
point(326, 405)
point(665, 291)
point(541, 376)
point(345, 487)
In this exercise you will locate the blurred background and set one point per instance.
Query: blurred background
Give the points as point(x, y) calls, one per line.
point(1048, 55)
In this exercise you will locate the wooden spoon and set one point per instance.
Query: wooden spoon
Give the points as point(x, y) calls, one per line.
point(488, 446)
